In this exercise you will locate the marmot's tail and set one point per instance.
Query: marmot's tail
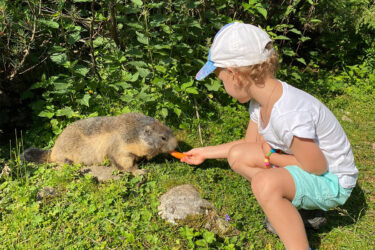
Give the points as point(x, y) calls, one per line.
point(36, 155)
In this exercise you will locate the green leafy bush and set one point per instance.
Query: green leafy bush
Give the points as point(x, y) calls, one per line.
point(108, 57)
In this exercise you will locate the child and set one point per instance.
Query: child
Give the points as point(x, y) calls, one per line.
point(295, 153)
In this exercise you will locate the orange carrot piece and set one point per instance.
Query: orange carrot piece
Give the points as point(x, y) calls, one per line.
point(177, 155)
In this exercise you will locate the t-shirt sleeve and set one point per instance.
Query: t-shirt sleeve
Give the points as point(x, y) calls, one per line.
point(254, 111)
point(300, 124)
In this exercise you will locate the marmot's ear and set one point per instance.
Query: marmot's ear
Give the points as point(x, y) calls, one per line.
point(148, 130)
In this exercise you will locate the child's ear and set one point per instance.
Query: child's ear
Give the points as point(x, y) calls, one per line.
point(235, 74)
point(232, 71)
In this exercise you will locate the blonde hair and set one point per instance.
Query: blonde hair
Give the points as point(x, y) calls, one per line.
point(258, 72)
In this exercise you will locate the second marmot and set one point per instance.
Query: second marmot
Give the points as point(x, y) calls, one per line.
point(121, 139)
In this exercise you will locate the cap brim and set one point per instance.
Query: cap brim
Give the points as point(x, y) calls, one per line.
point(207, 69)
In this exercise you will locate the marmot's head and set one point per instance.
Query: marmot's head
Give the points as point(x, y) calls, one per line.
point(158, 137)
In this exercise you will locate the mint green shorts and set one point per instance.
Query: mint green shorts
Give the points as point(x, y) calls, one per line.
point(317, 191)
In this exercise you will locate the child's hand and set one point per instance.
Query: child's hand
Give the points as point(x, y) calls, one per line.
point(194, 156)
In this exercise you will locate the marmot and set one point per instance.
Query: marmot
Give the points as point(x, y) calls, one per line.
point(121, 139)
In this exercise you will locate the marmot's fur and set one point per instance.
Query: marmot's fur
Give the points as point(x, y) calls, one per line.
point(121, 139)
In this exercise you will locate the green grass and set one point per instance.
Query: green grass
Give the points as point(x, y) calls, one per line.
point(118, 214)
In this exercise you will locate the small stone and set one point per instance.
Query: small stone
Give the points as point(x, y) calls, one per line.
point(45, 193)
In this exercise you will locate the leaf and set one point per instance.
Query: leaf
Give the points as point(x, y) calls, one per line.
point(192, 90)
point(296, 76)
point(288, 52)
point(160, 68)
point(115, 87)
point(246, 6)
point(155, 5)
point(196, 24)
point(146, 215)
point(36, 219)
point(209, 237)
point(138, 63)
point(59, 58)
point(73, 38)
point(62, 87)
point(295, 31)
point(186, 85)
point(214, 86)
point(262, 11)
point(134, 77)
point(201, 243)
point(47, 114)
point(159, 82)
point(142, 38)
point(301, 60)
point(85, 100)
point(166, 29)
point(137, 2)
point(164, 112)
point(135, 25)
point(281, 37)
point(305, 38)
point(289, 10)
point(123, 85)
point(143, 72)
point(49, 23)
point(99, 41)
point(177, 111)
point(186, 232)
point(81, 70)
point(57, 49)
point(192, 4)
point(82, 1)
point(67, 111)
point(315, 21)
point(56, 129)
point(129, 237)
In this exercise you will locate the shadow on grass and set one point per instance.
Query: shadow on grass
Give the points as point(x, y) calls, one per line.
point(345, 215)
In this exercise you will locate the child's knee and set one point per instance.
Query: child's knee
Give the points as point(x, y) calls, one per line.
point(236, 157)
point(263, 187)
point(233, 156)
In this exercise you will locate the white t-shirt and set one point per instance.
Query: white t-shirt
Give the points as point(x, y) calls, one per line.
point(297, 113)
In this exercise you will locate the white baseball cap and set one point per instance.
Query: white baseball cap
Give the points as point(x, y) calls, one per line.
point(236, 44)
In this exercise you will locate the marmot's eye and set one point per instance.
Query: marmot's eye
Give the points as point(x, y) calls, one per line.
point(164, 138)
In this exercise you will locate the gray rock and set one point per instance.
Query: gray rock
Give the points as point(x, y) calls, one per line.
point(46, 193)
point(101, 173)
point(183, 205)
point(181, 201)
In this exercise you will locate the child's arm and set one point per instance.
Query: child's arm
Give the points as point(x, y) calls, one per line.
point(198, 155)
point(306, 154)
point(252, 134)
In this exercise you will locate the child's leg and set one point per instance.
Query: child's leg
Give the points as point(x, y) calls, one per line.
point(274, 189)
point(247, 159)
